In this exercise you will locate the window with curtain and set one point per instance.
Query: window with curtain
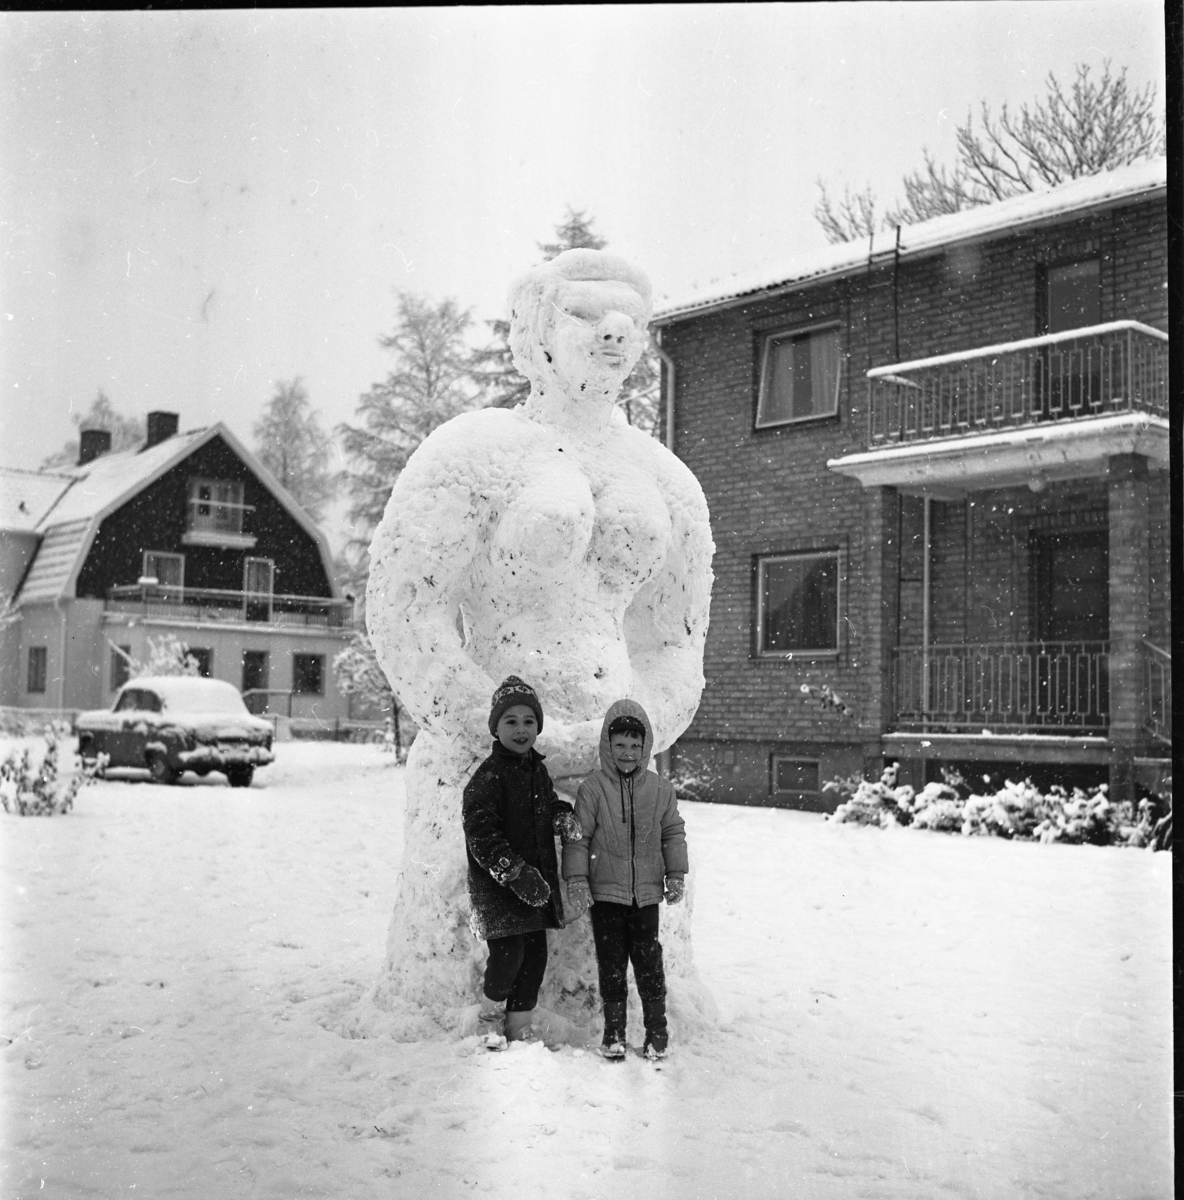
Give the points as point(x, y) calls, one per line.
point(800, 374)
point(798, 603)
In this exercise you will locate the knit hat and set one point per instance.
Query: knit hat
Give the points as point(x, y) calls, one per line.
point(513, 691)
point(626, 723)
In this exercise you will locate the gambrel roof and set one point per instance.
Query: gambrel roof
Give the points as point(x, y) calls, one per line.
point(73, 501)
point(1067, 200)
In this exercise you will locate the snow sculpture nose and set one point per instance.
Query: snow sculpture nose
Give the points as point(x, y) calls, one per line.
point(614, 329)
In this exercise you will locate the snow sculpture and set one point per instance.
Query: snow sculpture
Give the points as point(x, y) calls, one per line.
point(557, 543)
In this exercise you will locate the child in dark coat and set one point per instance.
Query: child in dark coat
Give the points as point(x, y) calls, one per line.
point(511, 815)
point(632, 854)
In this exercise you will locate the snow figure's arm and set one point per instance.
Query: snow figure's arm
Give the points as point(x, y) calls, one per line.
point(484, 834)
point(674, 836)
point(419, 558)
point(575, 855)
point(666, 625)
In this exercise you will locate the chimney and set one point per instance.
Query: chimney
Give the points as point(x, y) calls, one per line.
point(161, 426)
point(92, 443)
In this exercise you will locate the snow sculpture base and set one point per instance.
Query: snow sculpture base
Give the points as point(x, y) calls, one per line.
point(435, 965)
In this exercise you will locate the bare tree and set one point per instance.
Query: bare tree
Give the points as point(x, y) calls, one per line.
point(292, 445)
point(1095, 125)
point(127, 433)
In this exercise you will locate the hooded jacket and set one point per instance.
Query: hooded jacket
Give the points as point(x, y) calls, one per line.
point(508, 812)
point(633, 834)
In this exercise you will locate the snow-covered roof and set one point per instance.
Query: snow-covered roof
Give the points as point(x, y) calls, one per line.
point(26, 497)
point(1057, 203)
point(86, 494)
point(103, 484)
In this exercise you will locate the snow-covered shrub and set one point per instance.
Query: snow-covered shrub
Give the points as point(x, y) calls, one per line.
point(41, 781)
point(167, 655)
point(881, 803)
point(1015, 811)
point(694, 781)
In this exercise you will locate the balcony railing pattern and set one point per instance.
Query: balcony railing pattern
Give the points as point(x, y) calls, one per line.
point(214, 604)
point(1101, 370)
point(1004, 687)
point(1157, 692)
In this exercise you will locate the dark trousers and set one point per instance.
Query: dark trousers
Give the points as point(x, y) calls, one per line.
point(627, 934)
point(514, 972)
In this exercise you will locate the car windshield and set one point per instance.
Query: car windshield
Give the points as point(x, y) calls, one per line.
point(187, 694)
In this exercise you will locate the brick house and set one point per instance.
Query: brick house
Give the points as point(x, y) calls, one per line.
point(189, 535)
point(936, 462)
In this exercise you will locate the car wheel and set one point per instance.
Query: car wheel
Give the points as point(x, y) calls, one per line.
point(161, 772)
point(240, 776)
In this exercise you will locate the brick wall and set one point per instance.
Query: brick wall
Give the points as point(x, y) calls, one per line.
point(769, 490)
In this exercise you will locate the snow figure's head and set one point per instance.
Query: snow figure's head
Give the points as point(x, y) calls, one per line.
point(578, 325)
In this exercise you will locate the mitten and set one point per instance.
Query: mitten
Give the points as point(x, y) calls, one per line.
point(567, 825)
point(675, 887)
point(579, 898)
point(530, 887)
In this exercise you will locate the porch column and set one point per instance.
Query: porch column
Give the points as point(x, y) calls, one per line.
point(881, 622)
point(1129, 612)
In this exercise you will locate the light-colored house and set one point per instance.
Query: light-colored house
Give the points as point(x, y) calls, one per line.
point(189, 535)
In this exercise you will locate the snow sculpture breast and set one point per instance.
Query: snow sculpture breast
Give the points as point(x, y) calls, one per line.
point(554, 542)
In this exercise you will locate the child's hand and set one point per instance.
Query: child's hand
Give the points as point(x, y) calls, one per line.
point(579, 899)
point(530, 887)
point(567, 825)
point(675, 887)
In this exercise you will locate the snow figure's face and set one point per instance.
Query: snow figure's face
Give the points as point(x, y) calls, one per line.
point(598, 335)
point(517, 728)
point(625, 749)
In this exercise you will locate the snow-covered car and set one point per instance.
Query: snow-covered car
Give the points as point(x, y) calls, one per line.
point(176, 723)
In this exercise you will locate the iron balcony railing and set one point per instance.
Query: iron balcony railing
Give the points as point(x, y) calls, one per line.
point(1101, 370)
point(1004, 687)
point(166, 602)
point(1157, 692)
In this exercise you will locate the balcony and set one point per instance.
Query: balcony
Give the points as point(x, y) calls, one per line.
point(1059, 688)
point(1028, 412)
point(214, 605)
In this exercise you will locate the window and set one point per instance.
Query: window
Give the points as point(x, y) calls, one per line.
point(308, 674)
point(1073, 295)
point(258, 582)
point(798, 603)
point(216, 505)
point(167, 569)
point(794, 779)
point(120, 666)
point(138, 700)
point(799, 376)
point(204, 657)
point(38, 656)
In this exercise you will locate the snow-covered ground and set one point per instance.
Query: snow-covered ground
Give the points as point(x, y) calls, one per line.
point(902, 1015)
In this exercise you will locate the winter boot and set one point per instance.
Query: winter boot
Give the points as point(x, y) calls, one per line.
point(519, 1027)
point(613, 1043)
point(491, 1024)
point(656, 1036)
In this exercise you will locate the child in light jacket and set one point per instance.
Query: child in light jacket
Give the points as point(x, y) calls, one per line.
point(632, 854)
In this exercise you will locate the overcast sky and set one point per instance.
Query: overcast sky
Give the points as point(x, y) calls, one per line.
point(196, 204)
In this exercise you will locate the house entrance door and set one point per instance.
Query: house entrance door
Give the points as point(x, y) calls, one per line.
point(1071, 586)
point(255, 675)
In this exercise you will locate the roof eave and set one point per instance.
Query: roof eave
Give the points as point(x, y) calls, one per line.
point(687, 312)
